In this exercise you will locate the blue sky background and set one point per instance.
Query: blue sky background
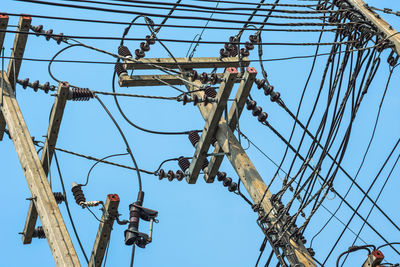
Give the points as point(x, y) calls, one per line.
point(201, 224)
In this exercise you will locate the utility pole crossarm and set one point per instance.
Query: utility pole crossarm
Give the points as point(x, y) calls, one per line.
point(47, 153)
point(214, 116)
point(384, 27)
point(186, 63)
point(53, 224)
point(103, 234)
point(233, 118)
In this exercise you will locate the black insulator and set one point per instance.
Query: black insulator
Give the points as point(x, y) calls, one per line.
point(179, 175)
point(170, 175)
point(227, 181)
point(223, 53)
point(251, 104)
point(214, 78)
point(35, 85)
point(210, 92)
point(46, 87)
point(203, 77)
point(38, 29)
point(124, 51)
point(119, 69)
point(59, 197)
point(194, 75)
point(232, 187)
point(144, 46)
point(232, 39)
point(161, 174)
point(81, 94)
point(260, 83)
point(268, 89)
point(311, 251)
point(150, 40)
point(221, 176)
point(25, 83)
point(39, 232)
point(234, 51)
point(49, 34)
point(196, 100)
point(253, 39)
point(205, 164)
point(194, 138)
point(228, 47)
point(185, 99)
point(59, 38)
point(256, 111)
point(249, 46)
point(275, 96)
point(262, 117)
point(78, 194)
point(244, 52)
point(139, 54)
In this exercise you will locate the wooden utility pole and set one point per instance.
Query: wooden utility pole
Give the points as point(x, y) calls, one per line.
point(43, 199)
point(215, 125)
point(385, 28)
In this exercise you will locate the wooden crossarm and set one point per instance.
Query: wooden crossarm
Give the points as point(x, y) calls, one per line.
point(214, 117)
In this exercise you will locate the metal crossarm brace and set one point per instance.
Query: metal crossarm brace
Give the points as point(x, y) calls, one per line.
point(233, 117)
point(103, 234)
point(187, 63)
point(47, 153)
point(15, 64)
point(380, 23)
point(252, 181)
point(53, 224)
point(212, 120)
point(152, 80)
point(3, 26)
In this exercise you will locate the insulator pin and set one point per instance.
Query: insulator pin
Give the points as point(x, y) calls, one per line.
point(120, 69)
point(80, 94)
point(39, 232)
point(194, 138)
point(59, 197)
point(183, 163)
point(78, 194)
point(124, 51)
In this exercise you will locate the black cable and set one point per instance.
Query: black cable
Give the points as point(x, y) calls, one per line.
point(68, 210)
point(90, 170)
point(125, 141)
point(156, 5)
point(388, 244)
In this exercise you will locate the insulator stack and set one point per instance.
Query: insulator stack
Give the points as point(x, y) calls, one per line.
point(311, 251)
point(39, 233)
point(120, 69)
point(171, 175)
point(48, 34)
point(268, 90)
point(144, 47)
point(183, 163)
point(59, 197)
point(78, 194)
point(205, 164)
point(204, 77)
point(257, 111)
point(194, 75)
point(46, 87)
point(194, 138)
point(214, 141)
point(124, 51)
point(227, 181)
point(80, 94)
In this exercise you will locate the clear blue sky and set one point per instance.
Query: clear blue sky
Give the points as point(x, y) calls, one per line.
point(201, 224)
